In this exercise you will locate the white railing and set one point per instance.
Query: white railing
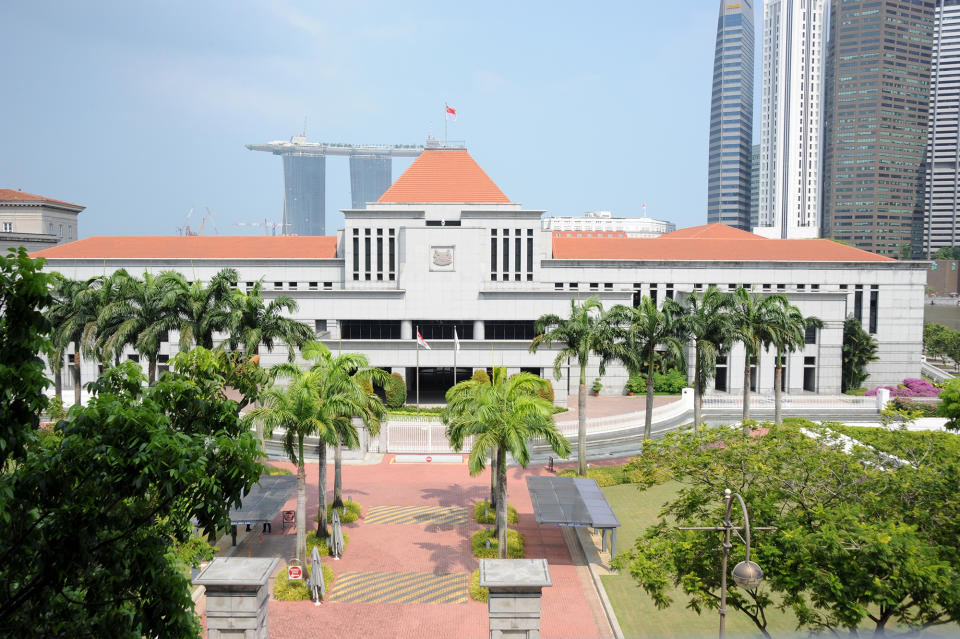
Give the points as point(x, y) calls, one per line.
point(416, 434)
point(841, 402)
point(613, 423)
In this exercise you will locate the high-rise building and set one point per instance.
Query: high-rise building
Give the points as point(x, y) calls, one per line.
point(790, 117)
point(731, 117)
point(942, 189)
point(304, 194)
point(755, 186)
point(876, 99)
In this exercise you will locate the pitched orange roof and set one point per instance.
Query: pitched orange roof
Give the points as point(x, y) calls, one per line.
point(713, 231)
point(444, 176)
point(12, 195)
point(667, 248)
point(195, 247)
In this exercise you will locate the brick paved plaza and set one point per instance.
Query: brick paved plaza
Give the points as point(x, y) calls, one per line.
point(439, 551)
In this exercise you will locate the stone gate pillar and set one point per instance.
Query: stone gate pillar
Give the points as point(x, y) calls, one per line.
point(237, 596)
point(516, 586)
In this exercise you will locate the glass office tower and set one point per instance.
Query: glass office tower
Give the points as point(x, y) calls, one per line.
point(731, 117)
point(304, 205)
point(370, 177)
point(876, 107)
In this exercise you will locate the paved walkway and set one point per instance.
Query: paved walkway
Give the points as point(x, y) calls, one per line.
point(609, 405)
point(425, 552)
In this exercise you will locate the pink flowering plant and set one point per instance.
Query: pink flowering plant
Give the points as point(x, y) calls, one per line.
point(911, 387)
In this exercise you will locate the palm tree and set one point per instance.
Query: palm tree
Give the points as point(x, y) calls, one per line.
point(73, 315)
point(788, 334)
point(752, 317)
point(583, 334)
point(140, 315)
point(294, 409)
point(202, 310)
point(706, 320)
point(638, 332)
point(253, 324)
point(502, 417)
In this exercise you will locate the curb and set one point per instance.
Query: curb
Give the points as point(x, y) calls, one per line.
point(590, 552)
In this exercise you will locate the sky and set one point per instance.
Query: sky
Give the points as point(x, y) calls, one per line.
point(140, 110)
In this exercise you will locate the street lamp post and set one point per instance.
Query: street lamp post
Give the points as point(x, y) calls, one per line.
point(746, 574)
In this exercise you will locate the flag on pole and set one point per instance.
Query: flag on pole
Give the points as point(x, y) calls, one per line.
point(456, 340)
point(451, 113)
point(422, 342)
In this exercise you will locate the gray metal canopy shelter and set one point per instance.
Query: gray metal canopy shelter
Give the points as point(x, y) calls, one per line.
point(264, 501)
point(573, 501)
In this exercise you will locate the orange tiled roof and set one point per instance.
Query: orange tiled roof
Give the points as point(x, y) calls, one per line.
point(714, 242)
point(714, 232)
point(195, 247)
point(444, 176)
point(12, 195)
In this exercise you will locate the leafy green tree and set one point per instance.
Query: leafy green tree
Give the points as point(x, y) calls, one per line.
point(906, 251)
point(706, 320)
point(502, 417)
point(579, 336)
point(92, 516)
point(637, 332)
point(753, 327)
point(202, 310)
point(859, 349)
point(73, 316)
point(935, 339)
point(253, 323)
point(950, 404)
point(855, 543)
point(141, 314)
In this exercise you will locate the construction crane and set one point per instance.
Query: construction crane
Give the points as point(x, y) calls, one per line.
point(185, 229)
point(209, 216)
point(267, 226)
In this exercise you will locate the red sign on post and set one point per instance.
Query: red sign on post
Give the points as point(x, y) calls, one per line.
point(294, 573)
point(289, 516)
point(429, 459)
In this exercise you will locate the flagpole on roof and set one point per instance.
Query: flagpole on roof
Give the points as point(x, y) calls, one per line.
point(445, 118)
point(417, 328)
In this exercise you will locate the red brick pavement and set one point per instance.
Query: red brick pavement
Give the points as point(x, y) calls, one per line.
point(570, 607)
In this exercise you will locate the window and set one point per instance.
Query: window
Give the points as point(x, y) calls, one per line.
point(720, 375)
point(8, 226)
point(810, 335)
point(291, 286)
point(312, 285)
point(51, 228)
point(858, 303)
point(493, 254)
point(594, 286)
point(249, 286)
point(443, 329)
point(69, 232)
point(370, 329)
point(874, 307)
point(509, 329)
point(327, 286)
point(391, 261)
point(810, 374)
point(278, 286)
point(558, 286)
point(60, 232)
point(319, 327)
point(653, 294)
point(134, 358)
point(163, 363)
point(574, 286)
point(669, 291)
point(608, 286)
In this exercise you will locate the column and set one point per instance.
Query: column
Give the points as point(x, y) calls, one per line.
point(406, 329)
point(237, 596)
point(478, 329)
point(516, 586)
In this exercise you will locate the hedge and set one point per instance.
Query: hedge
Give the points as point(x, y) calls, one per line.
point(351, 512)
point(321, 544)
point(476, 592)
point(480, 510)
point(286, 590)
point(479, 544)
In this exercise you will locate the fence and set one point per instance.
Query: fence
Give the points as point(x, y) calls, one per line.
point(416, 434)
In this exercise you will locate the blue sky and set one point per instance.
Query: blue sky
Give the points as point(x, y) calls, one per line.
point(140, 110)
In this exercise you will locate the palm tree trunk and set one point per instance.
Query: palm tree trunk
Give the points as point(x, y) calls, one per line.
point(493, 480)
point(582, 423)
point(76, 375)
point(322, 532)
point(697, 399)
point(501, 503)
point(337, 477)
point(152, 370)
point(777, 390)
point(58, 383)
point(301, 507)
point(648, 419)
point(746, 395)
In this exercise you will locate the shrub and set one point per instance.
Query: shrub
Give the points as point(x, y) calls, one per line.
point(480, 375)
point(321, 544)
point(276, 470)
point(597, 385)
point(55, 409)
point(479, 544)
point(396, 391)
point(476, 592)
point(366, 385)
point(927, 410)
point(286, 590)
point(857, 392)
point(911, 387)
point(350, 513)
point(605, 475)
point(480, 513)
point(672, 382)
point(411, 409)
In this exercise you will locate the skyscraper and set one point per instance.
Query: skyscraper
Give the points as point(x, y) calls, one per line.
point(731, 117)
point(942, 190)
point(875, 119)
point(792, 83)
point(755, 186)
point(304, 194)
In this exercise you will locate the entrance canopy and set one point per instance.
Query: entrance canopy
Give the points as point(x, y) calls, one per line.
point(265, 500)
point(572, 501)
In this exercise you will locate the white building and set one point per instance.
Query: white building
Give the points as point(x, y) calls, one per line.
point(445, 249)
point(36, 222)
point(604, 222)
point(794, 37)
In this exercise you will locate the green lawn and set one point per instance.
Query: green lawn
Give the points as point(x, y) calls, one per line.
point(635, 611)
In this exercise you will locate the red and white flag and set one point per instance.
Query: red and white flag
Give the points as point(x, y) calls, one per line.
point(422, 342)
point(451, 112)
